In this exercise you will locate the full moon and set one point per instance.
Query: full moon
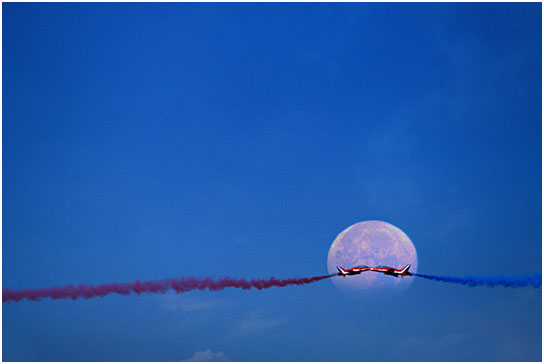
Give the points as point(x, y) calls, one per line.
point(372, 243)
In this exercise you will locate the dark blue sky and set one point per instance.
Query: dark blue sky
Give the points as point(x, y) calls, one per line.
point(145, 141)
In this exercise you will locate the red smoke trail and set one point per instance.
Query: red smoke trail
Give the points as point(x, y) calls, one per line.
point(179, 285)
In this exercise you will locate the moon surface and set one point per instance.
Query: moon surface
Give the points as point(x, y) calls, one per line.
point(372, 243)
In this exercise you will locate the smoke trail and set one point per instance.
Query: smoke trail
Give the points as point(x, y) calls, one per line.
point(179, 285)
point(534, 280)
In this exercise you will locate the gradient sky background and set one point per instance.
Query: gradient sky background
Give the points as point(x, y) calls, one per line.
point(146, 141)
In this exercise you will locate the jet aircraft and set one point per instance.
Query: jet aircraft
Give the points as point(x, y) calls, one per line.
point(392, 271)
point(352, 271)
point(380, 269)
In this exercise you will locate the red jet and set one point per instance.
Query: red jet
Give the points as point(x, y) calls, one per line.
point(392, 271)
point(352, 271)
point(380, 269)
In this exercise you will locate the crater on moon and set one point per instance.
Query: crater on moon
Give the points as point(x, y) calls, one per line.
point(371, 243)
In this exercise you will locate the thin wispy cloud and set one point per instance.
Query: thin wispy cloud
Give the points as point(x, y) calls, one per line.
point(257, 321)
point(446, 342)
point(189, 303)
point(208, 355)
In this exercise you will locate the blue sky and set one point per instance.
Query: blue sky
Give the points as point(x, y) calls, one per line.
point(146, 141)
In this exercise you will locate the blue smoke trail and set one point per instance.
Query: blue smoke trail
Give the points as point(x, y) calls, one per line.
point(534, 280)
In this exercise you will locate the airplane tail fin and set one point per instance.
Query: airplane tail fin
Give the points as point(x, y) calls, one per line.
point(405, 270)
point(341, 271)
